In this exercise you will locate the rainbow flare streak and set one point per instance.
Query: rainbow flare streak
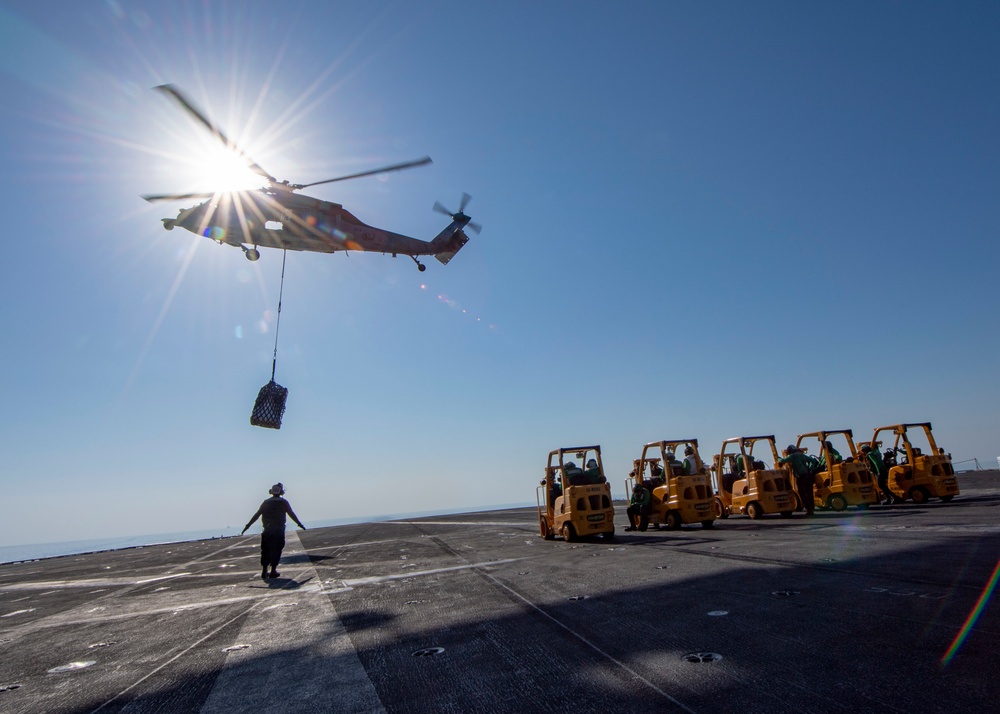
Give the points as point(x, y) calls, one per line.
point(970, 621)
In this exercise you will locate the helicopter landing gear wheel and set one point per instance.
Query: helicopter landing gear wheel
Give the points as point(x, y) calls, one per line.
point(252, 254)
point(420, 266)
point(168, 224)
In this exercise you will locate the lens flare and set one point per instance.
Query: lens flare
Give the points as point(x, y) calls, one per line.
point(970, 621)
point(216, 233)
point(455, 306)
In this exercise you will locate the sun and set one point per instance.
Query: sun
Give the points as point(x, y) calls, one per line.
point(223, 170)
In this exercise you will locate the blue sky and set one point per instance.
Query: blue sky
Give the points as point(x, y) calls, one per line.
point(700, 219)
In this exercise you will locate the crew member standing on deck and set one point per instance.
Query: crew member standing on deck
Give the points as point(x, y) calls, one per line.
point(802, 467)
point(272, 541)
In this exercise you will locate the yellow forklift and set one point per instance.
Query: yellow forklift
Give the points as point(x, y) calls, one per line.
point(574, 498)
point(745, 483)
point(841, 481)
point(680, 493)
point(913, 473)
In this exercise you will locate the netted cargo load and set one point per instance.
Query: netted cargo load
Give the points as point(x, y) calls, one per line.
point(270, 406)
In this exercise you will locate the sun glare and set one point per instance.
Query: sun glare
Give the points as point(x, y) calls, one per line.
point(223, 170)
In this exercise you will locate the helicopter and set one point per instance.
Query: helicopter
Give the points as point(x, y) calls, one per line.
point(275, 216)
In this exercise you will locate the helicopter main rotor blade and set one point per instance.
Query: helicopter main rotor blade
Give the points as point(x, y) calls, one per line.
point(177, 196)
point(193, 111)
point(385, 169)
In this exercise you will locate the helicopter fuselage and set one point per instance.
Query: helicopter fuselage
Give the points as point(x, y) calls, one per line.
point(277, 218)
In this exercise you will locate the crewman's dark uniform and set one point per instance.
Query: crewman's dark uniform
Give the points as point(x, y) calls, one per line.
point(640, 505)
point(272, 514)
point(877, 466)
point(802, 467)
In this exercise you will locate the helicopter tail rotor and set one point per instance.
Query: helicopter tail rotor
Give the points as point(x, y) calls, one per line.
point(460, 215)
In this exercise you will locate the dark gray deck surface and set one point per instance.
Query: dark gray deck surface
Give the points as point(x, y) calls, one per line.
point(847, 612)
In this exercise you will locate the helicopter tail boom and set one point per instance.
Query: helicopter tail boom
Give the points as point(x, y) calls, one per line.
point(449, 241)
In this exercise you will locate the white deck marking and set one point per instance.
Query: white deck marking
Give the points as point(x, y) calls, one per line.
point(172, 659)
point(86, 583)
point(300, 656)
point(78, 616)
point(241, 541)
point(374, 579)
point(462, 523)
point(356, 545)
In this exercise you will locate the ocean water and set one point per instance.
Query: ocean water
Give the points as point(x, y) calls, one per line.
point(36, 551)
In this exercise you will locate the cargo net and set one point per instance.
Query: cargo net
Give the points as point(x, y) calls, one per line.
point(270, 406)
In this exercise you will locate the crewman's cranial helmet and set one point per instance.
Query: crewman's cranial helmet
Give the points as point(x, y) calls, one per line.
point(791, 448)
point(277, 489)
point(688, 451)
point(592, 464)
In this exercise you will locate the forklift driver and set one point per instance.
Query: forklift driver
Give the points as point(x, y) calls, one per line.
point(675, 466)
point(593, 473)
point(690, 463)
point(835, 457)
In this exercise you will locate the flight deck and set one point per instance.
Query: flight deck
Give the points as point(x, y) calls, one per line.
point(880, 610)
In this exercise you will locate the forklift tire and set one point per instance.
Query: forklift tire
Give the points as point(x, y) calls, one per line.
point(547, 533)
point(720, 509)
point(754, 510)
point(608, 535)
point(708, 524)
point(837, 502)
point(919, 495)
point(673, 520)
point(568, 533)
